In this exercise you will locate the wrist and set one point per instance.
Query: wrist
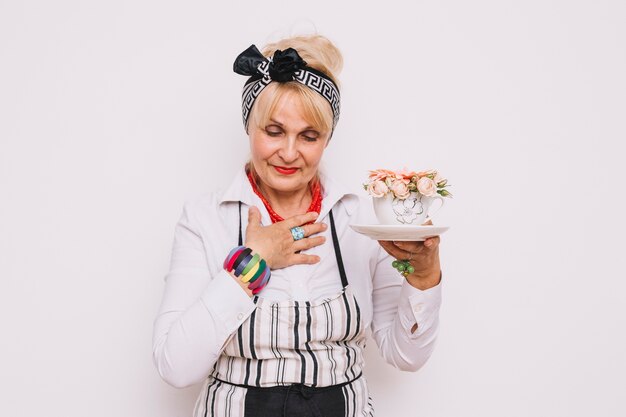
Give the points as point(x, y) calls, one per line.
point(259, 249)
point(248, 268)
point(424, 280)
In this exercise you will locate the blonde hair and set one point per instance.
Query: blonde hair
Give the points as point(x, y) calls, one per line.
point(319, 53)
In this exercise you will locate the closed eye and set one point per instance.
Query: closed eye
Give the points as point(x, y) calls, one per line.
point(310, 135)
point(273, 130)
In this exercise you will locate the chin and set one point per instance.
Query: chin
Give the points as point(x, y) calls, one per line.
point(286, 184)
point(283, 183)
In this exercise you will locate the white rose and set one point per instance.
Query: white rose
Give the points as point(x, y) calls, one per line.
point(378, 189)
point(400, 189)
point(427, 187)
point(439, 178)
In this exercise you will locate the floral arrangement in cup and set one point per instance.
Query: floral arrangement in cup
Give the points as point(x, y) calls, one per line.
point(401, 183)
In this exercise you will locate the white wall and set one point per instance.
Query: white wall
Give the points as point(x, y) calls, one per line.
point(112, 113)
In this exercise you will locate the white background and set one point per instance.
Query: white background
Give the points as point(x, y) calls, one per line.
point(113, 113)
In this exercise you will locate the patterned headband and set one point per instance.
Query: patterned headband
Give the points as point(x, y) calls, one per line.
point(284, 66)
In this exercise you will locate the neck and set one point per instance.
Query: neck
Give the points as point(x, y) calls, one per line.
point(287, 204)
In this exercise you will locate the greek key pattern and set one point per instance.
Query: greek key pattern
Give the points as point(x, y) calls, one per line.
point(323, 86)
point(250, 93)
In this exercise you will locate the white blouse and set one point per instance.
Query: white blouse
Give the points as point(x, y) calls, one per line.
point(203, 306)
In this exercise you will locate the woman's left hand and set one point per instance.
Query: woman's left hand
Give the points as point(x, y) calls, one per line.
point(423, 256)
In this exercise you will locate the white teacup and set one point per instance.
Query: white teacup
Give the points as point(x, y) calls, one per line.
point(413, 210)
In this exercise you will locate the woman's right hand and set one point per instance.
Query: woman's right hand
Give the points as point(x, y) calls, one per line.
point(275, 243)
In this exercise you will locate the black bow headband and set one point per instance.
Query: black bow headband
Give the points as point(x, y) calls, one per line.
point(283, 66)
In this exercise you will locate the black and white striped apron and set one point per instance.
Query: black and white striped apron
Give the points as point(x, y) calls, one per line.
point(293, 358)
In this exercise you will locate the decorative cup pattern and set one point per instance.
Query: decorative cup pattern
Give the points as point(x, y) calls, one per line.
point(413, 210)
point(405, 197)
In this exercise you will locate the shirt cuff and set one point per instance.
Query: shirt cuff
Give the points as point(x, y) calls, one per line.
point(419, 306)
point(224, 298)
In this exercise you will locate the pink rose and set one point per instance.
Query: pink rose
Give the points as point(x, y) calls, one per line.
point(425, 173)
point(376, 174)
point(378, 189)
point(379, 174)
point(427, 187)
point(406, 174)
point(400, 189)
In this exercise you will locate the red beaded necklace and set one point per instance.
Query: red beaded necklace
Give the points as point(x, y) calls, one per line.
point(316, 201)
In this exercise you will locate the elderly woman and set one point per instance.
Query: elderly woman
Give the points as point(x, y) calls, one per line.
point(271, 297)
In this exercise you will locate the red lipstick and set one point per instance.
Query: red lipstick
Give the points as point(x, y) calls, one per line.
point(285, 170)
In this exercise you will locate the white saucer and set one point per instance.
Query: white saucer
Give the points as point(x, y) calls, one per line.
point(398, 232)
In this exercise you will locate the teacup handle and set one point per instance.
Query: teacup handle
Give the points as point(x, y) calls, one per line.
point(430, 212)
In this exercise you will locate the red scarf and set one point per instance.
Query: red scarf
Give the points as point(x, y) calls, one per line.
point(316, 201)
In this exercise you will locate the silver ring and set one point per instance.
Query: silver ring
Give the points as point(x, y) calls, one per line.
point(297, 232)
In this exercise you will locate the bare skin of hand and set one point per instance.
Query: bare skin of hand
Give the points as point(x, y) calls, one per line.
point(423, 256)
point(275, 243)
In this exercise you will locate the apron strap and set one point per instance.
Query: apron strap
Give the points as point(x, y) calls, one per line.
point(240, 235)
point(342, 270)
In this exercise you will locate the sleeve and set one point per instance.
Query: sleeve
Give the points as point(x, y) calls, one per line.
point(199, 311)
point(397, 308)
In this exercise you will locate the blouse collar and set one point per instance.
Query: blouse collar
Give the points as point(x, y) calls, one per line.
point(334, 192)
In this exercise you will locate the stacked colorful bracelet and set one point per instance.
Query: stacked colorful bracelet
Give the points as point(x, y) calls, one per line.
point(248, 267)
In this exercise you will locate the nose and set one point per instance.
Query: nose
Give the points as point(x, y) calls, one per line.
point(289, 151)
